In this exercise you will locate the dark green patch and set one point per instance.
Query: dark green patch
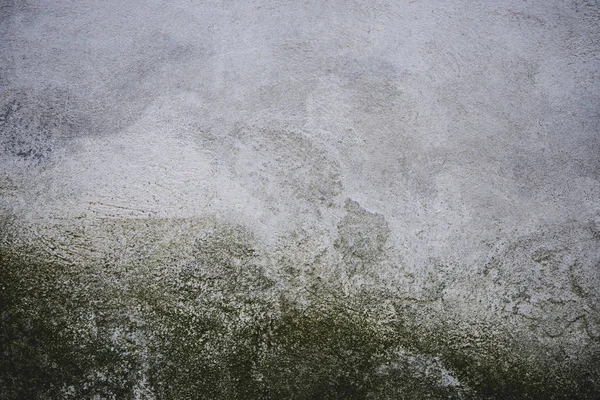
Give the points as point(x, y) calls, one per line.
point(216, 325)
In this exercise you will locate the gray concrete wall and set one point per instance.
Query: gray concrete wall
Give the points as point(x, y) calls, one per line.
point(281, 199)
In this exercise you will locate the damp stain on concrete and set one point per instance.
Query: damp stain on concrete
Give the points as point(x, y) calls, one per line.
point(219, 316)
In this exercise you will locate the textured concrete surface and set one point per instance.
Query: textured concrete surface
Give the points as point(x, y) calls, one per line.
point(284, 199)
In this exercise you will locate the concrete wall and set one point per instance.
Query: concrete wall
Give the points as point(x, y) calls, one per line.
point(283, 199)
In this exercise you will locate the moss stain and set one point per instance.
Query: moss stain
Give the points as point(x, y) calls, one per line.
point(216, 325)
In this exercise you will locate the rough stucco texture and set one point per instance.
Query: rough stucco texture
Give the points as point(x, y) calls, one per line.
point(299, 199)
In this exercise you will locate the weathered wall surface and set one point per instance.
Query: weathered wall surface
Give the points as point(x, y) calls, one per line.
point(282, 199)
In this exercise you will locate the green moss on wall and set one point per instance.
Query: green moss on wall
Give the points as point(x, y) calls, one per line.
point(217, 324)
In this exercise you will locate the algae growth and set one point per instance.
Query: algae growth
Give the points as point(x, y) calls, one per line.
point(219, 317)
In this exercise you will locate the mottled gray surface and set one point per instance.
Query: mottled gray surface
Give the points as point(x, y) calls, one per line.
point(283, 199)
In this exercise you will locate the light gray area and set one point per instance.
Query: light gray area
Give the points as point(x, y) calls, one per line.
point(435, 162)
